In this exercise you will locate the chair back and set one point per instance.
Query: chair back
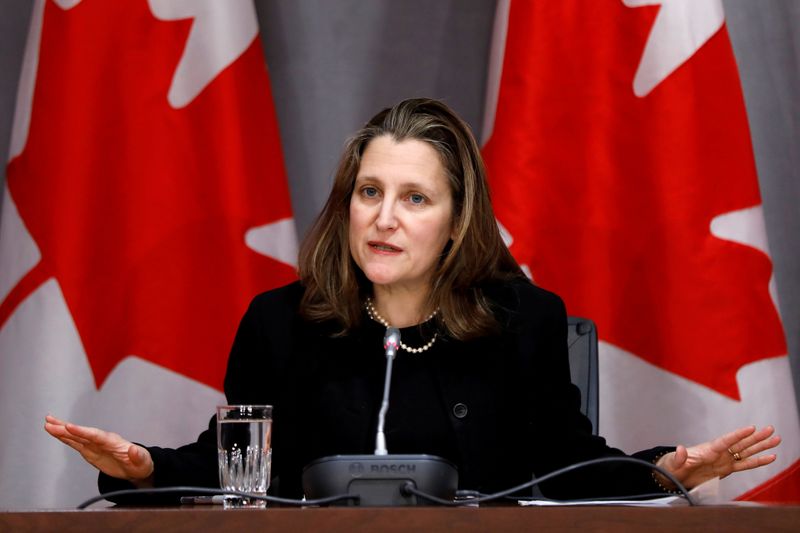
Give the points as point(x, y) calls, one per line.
point(582, 343)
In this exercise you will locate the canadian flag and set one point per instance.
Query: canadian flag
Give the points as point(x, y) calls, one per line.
point(146, 204)
point(623, 176)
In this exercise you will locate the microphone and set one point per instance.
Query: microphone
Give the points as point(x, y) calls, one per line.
point(381, 479)
point(390, 343)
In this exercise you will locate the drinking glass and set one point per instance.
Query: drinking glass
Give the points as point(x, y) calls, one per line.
point(244, 433)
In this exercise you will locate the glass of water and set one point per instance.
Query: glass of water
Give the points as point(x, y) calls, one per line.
point(244, 434)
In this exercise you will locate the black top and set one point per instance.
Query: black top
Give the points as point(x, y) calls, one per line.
point(500, 407)
point(418, 419)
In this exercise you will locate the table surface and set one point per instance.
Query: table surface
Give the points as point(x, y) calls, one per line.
point(421, 519)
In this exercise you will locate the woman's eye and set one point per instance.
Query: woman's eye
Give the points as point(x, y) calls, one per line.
point(416, 199)
point(369, 192)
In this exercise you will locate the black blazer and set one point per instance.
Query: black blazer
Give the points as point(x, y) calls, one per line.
point(518, 413)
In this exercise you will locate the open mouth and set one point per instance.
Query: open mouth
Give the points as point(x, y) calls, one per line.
point(383, 247)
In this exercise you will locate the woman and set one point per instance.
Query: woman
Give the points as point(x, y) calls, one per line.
point(408, 239)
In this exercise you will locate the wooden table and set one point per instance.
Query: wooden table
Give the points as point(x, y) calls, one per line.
point(415, 520)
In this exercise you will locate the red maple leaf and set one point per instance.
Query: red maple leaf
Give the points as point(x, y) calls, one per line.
point(609, 197)
point(140, 210)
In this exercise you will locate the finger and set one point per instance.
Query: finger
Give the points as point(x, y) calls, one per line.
point(86, 450)
point(54, 420)
point(137, 455)
point(140, 458)
point(756, 437)
point(753, 462)
point(726, 441)
point(761, 446)
point(73, 444)
point(90, 434)
point(679, 458)
point(79, 447)
point(53, 429)
point(62, 432)
point(59, 432)
point(765, 459)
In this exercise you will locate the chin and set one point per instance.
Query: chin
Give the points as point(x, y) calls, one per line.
point(381, 280)
point(380, 276)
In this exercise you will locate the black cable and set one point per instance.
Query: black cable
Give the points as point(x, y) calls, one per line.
point(410, 489)
point(218, 492)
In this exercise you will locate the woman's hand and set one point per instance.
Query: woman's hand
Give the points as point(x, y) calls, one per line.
point(108, 452)
point(733, 452)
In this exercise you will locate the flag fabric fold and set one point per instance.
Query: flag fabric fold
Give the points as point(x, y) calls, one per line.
point(622, 173)
point(147, 152)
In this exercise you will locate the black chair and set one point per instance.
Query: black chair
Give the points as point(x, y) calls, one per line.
point(582, 343)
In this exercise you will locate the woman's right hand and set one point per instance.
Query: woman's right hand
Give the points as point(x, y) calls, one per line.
point(108, 452)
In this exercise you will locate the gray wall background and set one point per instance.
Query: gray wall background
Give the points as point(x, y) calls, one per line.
point(333, 63)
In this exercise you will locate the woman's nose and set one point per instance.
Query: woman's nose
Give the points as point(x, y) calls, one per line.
point(387, 219)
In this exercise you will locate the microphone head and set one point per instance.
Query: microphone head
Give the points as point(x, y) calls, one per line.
point(391, 340)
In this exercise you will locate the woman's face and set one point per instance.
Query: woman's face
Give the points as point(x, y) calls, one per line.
point(401, 213)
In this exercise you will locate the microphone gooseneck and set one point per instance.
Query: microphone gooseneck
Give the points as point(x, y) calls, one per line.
point(378, 479)
point(391, 340)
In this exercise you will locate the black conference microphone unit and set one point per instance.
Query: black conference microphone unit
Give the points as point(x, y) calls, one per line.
point(379, 479)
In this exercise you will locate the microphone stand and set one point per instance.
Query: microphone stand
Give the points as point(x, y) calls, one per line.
point(378, 479)
point(390, 343)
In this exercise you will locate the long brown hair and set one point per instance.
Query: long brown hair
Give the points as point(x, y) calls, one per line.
point(335, 287)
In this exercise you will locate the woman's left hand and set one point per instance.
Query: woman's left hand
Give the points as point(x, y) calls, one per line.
point(733, 452)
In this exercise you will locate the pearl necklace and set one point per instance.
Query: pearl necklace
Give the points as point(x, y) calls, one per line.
point(373, 314)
